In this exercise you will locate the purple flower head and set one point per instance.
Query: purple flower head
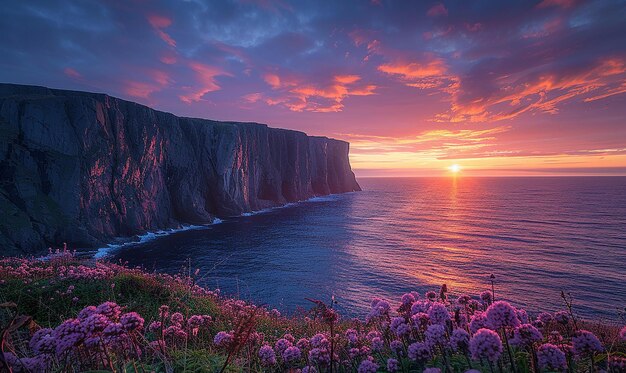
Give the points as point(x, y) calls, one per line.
point(522, 315)
point(195, 321)
point(223, 339)
point(408, 299)
point(289, 337)
point(486, 344)
point(380, 308)
point(585, 342)
point(113, 331)
point(550, 357)
point(501, 315)
point(367, 366)
point(291, 355)
point(67, 335)
point(354, 352)
point(459, 340)
point(95, 323)
point(419, 352)
point(562, 317)
point(399, 327)
point(622, 334)
point(486, 297)
point(309, 369)
point(303, 344)
point(438, 313)
point(352, 336)
point(319, 356)
point(86, 312)
point(432, 370)
point(545, 317)
point(479, 321)
point(392, 365)
point(431, 296)
point(131, 321)
point(420, 320)
point(377, 344)
point(267, 355)
point(154, 326)
point(110, 310)
point(396, 346)
point(420, 307)
point(164, 311)
point(177, 318)
point(42, 342)
point(463, 300)
point(436, 335)
point(319, 341)
point(526, 335)
point(281, 345)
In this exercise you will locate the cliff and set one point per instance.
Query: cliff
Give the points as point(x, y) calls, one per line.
point(86, 168)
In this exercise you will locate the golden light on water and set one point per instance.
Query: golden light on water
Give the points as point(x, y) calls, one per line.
point(455, 168)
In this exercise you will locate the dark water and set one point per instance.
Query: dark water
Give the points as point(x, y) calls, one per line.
point(537, 235)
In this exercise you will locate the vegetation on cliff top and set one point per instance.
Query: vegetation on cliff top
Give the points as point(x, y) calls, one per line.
point(67, 314)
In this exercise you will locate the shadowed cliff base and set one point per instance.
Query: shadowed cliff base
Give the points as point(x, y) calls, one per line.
point(85, 168)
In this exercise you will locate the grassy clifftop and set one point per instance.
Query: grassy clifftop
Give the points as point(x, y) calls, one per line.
point(67, 314)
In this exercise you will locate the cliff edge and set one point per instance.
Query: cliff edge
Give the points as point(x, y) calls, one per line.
point(85, 168)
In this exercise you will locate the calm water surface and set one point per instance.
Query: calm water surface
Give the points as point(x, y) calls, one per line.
point(537, 235)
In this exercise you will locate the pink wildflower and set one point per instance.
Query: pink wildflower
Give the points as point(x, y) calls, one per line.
point(281, 345)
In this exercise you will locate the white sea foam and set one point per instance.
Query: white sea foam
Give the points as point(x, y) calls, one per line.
point(149, 236)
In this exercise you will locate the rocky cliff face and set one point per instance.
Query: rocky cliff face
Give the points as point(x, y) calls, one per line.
point(86, 168)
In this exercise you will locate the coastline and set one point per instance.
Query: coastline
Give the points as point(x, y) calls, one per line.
point(104, 252)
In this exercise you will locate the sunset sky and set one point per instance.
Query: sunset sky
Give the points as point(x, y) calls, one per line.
point(497, 87)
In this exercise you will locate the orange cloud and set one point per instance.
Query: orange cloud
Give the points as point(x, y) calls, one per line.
point(159, 80)
point(158, 23)
point(206, 76)
point(543, 94)
point(297, 94)
point(424, 75)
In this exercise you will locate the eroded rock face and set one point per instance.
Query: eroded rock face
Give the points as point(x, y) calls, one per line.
point(85, 168)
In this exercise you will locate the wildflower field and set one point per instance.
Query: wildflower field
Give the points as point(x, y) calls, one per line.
point(64, 314)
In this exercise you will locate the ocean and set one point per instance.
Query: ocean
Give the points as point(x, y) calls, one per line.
point(537, 235)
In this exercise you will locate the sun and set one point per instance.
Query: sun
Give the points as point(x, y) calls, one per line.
point(455, 168)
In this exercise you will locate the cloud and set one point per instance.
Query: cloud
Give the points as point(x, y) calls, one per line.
point(299, 93)
point(543, 92)
point(437, 10)
point(428, 74)
point(206, 77)
point(158, 23)
point(72, 73)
